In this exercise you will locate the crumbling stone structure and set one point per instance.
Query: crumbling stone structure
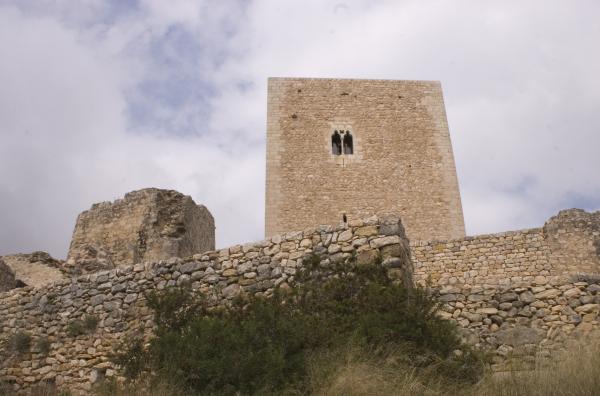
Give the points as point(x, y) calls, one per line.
point(146, 225)
point(116, 298)
point(339, 150)
point(519, 294)
point(34, 269)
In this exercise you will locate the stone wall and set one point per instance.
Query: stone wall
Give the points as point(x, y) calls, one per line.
point(519, 294)
point(567, 244)
point(524, 320)
point(402, 159)
point(116, 299)
point(516, 291)
point(146, 225)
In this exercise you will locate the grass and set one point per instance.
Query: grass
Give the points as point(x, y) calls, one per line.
point(355, 371)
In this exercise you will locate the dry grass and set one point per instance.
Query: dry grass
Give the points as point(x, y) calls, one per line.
point(574, 372)
point(139, 388)
point(355, 372)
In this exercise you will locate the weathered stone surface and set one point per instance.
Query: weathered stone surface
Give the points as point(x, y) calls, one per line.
point(489, 285)
point(546, 294)
point(146, 225)
point(116, 297)
point(35, 269)
point(518, 336)
point(7, 277)
point(322, 187)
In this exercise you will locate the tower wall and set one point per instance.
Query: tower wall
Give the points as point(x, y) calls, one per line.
point(402, 159)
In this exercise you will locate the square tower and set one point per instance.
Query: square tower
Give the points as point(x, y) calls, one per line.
point(343, 149)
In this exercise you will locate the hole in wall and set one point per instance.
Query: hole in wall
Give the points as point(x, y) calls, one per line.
point(348, 144)
point(344, 218)
point(336, 143)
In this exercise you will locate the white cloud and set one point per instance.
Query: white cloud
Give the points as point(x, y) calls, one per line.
point(102, 98)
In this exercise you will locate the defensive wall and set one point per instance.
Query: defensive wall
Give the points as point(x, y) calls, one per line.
point(77, 359)
point(519, 294)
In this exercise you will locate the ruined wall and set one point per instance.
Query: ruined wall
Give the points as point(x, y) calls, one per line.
point(145, 225)
point(116, 299)
point(521, 292)
point(35, 269)
point(402, 159)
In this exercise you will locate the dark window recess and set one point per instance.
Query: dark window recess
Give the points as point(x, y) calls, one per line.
point(336, 143)
point(344, 218)
point(348, 145)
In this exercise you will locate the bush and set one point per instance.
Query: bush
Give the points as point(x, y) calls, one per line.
point(260, 345)
point(90, 323)
point(20, 342)
point(85, 326)
point(75, 328)
point(43, 345)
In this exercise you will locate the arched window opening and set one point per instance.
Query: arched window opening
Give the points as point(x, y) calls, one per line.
point(336, 143)
point(348, 145)
point(344, 218)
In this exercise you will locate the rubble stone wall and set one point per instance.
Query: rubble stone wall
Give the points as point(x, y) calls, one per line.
point(522, 292)
point(76, 359)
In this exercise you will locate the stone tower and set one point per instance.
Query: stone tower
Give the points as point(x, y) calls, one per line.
point(341, 149)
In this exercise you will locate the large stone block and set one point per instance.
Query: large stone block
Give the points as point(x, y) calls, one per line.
point(146, 225)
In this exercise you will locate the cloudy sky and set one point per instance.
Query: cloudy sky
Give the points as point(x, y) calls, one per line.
point(98, 98)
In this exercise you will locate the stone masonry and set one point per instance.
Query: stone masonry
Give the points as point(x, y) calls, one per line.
point(400, 161)
point(520, 293)
point(116, 299)
point(146, 225)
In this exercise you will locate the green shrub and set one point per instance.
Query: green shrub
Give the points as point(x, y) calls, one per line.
point(90, 323)
point(85, 326)
point(20, 342)
point(260, 345)
point(75, 328)
point(43, 345)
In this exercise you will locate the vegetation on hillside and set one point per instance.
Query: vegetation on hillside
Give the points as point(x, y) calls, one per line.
point(272, 345)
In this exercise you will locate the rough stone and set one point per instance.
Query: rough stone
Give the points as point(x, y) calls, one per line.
point(7, 277)
point(518, 336)
point(300, 193)
point(146, 225)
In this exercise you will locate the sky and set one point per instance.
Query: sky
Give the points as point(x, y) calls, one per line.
point(98, 98)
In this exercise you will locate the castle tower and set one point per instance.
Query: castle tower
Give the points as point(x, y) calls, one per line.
point(339, 150)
